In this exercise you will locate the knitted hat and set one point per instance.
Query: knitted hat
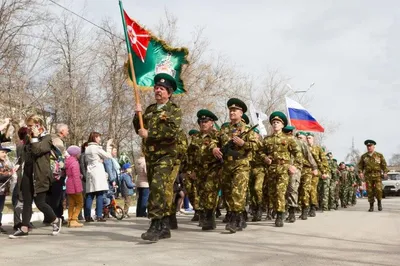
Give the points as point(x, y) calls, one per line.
point(74, 150)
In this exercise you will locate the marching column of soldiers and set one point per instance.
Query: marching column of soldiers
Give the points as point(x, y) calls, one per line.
point(281, 174)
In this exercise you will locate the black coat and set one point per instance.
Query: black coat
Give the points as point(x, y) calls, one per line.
point(37, 164)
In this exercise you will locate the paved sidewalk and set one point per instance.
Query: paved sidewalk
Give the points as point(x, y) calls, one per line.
point(350, 236)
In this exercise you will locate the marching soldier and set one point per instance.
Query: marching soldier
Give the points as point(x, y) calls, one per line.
point(333, 171)
point(343, 181)
point(279, 149)
point(160, 135)
point(371, 167)
point(235, 145)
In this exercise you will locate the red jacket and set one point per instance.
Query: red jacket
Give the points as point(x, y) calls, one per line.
point(74, 182)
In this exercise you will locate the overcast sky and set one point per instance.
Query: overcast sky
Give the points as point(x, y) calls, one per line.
point(350, 49)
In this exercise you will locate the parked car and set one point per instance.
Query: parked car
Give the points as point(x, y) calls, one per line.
point(391, 185)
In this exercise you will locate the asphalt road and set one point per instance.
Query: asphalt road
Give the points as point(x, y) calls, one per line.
point(350, 236)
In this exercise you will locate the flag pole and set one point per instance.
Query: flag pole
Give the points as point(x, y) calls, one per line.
point(135, 87)
point(287, 110)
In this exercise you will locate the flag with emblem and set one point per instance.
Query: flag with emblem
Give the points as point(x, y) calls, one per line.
point(152, 56)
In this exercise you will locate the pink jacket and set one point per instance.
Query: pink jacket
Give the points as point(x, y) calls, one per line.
point(74, 182)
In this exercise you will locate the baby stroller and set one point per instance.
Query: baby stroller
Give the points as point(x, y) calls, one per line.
point(112, 208)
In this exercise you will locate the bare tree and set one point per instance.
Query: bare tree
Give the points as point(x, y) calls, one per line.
point(395, 160)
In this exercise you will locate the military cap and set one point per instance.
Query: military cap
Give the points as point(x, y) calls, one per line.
point(329, 153)
point(334, 160)
point(246, 119)
point(278, 116)
point(205, 114)
point(369, 142)
point(193, 132)
point(165, 80)
point(310, 134)
point(4, 149)
point(348, 165)
point(237, 104)
point(301, 133)
point(256, 130)
point(288, 129)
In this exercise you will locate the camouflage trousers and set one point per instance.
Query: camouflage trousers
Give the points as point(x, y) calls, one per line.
point(191, 190)
point(374, 187)
point(280, 173)
point(171, 206)
point(332, 194)
point(314, 190)
point(209, 192)
point(354, 196)
point(159, 175)
point(350, 194)
point(323, 193)
point(292, 195)
point(305, 187)
point(256, 182)
point(337, 193)
point(235, 180)
point(344, 193)
point(269, 191)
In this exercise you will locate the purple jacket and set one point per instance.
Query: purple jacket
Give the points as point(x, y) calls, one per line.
point(74, 182)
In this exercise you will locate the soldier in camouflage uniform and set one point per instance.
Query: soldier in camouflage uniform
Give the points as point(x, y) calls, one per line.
point(190, 181)
point(292, 194)
point(236, 150)
point(371, 167)
point(178, 166)
point(323, 169)
point(343, 181)
point(160, 135)
point(333, 187)
point(284, 158)
point(209, 169)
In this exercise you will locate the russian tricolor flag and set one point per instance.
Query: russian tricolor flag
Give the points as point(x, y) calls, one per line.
point(300, 118)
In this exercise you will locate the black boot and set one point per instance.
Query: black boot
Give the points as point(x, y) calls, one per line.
point(227, 217)
point(255, 214)
point(259, 213)
point(241, 221)
point(371, 207)
point(173, 222)
point(195, 216)
point(231, 225)
point(153, 233)
point(380, 205)
point(208, 221)
point(218, 213)
point(279, 219)
point(312, 211)
point(292, 217)
point(273, 214)
point(165, 231)
point(202, 218)
point(269, 217)
point(304, 213)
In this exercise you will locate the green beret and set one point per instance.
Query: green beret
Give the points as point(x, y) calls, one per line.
point(237, 104)
point(329, 153)
point(334, 160)
point(206, 114)
point(310, 134)
point(301, 133)
point(278, 116)
point(369, 142)
point(193, 132)
point(246, 119)
point(288, 129)
point(347, 164)
point(165, 80)
point(256, 130)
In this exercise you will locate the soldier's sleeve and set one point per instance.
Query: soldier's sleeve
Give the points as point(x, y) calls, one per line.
point(360, 164)
point(168, 127)
point(297, 156)
point(324, 163)
point(384, 165)
point(252, 142)
point(263, 152)
point(136, 123)
point(310, 157)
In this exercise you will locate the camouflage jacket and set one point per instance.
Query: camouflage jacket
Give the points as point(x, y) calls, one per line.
point(373, 163)
point(163, 127)
point(230, 130)
point(308, 159)
point(194, 145)
point(182, 147)
point(344, 177)
point(203, 156)
point(320, 158)
point(257, 159)
point(333, 167)
point(281, 148)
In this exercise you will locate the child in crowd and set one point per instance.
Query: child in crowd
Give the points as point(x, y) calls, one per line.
point(127, 186)
point(74, 186)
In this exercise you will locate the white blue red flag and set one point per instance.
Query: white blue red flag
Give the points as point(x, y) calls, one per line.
point(300, 118)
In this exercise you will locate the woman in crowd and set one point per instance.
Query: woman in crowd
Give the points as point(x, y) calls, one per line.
point(142, 187)
point(96, 178)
